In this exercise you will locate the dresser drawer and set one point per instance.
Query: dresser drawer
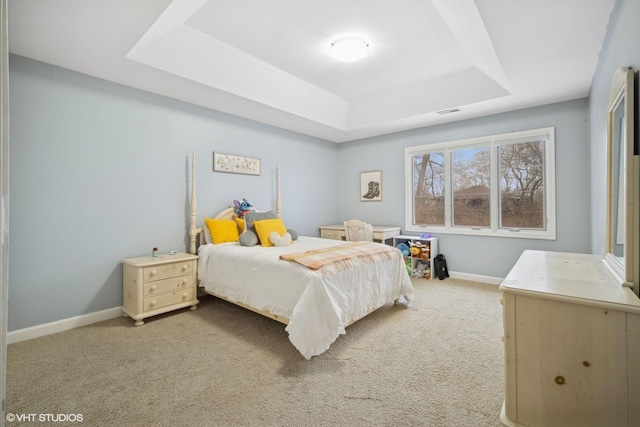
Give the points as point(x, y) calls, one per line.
point(330, 234)
point(171, 284)
point(168, 270)
point(169, 298)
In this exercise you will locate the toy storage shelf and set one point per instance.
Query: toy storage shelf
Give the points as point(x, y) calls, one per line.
point(415, 262)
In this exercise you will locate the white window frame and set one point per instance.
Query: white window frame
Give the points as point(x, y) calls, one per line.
point(493, 142)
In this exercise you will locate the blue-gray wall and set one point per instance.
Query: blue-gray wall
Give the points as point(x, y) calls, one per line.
point(485, 256)
point(100, 172)
point(621, 48)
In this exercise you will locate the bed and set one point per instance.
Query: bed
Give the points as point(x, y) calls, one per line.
point(317, 287)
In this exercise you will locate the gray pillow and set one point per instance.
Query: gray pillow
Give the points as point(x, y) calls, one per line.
point(293, 233)
point(248, 238)
point(250, 217)
point(251, 238)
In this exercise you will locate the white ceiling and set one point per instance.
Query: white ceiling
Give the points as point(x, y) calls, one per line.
point(269, 60)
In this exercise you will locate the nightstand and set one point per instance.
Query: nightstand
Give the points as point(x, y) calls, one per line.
point(380, 232)
point(155, 285)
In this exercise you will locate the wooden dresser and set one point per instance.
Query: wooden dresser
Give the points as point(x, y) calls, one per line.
point(571, 343)
point(155, 285)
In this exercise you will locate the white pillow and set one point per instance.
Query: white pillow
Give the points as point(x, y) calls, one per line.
point(207, 233)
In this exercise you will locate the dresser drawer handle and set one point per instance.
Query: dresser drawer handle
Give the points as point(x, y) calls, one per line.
point(154, 287)
point(184, 282)
point(154, 272)
point(559, 380)
point(153, 302)
point(184, 295)
point(185, 267)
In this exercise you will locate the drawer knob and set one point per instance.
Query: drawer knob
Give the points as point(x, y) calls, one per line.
point(184, 282)
point(153, 287)
point(154, 272)
point(184, 295)
point(185, 267)
point(559, 380)
point(154, 302)
point(501, 301)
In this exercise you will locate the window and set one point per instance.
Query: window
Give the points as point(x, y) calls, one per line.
point(502, 185)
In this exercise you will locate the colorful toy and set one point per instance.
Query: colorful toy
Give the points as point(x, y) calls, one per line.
point(423, 250)
point(242, 207)
point(408, 266)
point(421, 271)
point(403, 248)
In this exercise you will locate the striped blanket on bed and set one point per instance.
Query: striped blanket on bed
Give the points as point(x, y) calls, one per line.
point(343, 256)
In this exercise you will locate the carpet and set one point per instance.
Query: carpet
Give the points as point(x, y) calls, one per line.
point(438, 362)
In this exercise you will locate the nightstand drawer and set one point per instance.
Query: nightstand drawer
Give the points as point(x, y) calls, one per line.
point(163, 300)
point(330, 234)
point(170, 284)
point(167, 270)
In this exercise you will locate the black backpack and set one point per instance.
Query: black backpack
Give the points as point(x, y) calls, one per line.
point(440, 265)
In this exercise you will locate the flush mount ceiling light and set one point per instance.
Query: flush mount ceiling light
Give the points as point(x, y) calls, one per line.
point(348, 49)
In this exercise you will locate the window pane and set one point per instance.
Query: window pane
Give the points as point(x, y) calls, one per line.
point(428, 189)
point(522, 185)
point(471, 201)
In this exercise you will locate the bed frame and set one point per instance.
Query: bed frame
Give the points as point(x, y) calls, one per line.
point(196, 236)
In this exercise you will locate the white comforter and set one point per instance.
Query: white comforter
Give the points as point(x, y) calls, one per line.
point(318, 305)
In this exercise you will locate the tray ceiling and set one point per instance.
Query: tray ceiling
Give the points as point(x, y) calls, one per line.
point(270, 62)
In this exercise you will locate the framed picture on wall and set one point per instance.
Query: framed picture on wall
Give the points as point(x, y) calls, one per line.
point(235, 164)
point(371, 186)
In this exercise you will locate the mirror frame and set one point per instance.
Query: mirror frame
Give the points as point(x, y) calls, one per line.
point(625, 270)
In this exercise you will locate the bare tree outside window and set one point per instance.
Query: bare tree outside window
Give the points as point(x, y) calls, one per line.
point(522, 185)
point(500, 185)
point(471, 189)
point(428, 189)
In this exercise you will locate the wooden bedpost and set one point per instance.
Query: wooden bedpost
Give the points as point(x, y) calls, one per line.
point(278, 203)
point(192, 223)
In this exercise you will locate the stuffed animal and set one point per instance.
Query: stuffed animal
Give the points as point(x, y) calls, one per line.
point(408, 266)
point(242, 207)
point(403, 248)
point(421, 271)
point(424, 250)
point(415, 251)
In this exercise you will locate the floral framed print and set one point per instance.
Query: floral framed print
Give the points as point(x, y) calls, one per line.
point(235, 164)
point(371, 186)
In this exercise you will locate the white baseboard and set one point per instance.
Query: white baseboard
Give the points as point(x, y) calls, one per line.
point(476, 278)
point(62, 325)
point(111, 313)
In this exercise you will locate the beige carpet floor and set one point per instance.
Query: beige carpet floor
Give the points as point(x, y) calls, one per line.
point(438, 362)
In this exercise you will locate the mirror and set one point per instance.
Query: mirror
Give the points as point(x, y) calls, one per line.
point(623, 219)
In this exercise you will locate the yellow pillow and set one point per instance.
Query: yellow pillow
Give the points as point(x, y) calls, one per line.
point(240, 224)
point(222, 230)
point(266, 226)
